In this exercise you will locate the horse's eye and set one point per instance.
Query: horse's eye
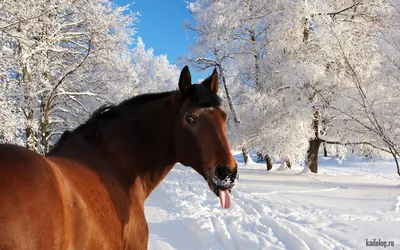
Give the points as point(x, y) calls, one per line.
point(190, 119)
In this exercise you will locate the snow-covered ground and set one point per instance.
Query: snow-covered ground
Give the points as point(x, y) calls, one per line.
point(340, 208)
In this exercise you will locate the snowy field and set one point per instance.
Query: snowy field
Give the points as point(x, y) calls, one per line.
point(339, 208)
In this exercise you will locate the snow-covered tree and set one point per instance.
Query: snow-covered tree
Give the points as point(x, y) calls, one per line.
point(63, 55)
point(331, 34)
point(154, 73)
point(373, 95)
point(234, 34)
point(11, 119)
point(288, 64)
point(213, 47)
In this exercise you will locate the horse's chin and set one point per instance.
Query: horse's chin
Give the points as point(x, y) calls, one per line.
point(215, 188)
point(220, 188)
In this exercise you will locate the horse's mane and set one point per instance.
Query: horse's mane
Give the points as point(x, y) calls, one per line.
point(199, 95)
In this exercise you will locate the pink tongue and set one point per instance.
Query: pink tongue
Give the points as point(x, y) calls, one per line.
point(225, 198)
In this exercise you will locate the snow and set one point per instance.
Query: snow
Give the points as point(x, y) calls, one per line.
point(339, 208)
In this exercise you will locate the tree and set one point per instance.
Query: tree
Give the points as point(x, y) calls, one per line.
point(10, 117)
point(237, 34)
point(212, 45)
point(65, 55)
point(328, 29)
point(287, 68)
point(374, 96)
point(154, 73)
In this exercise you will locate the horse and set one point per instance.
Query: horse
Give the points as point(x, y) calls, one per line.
point(89, 191)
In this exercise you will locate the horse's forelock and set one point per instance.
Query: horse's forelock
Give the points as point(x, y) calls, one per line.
point(201, 96)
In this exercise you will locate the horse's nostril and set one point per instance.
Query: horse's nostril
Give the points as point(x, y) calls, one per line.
point(234, 174)
point(221, 172)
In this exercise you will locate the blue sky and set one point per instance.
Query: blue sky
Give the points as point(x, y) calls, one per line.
point(161, 25)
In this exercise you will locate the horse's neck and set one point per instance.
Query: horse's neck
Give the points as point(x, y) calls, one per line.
point(138, 145)
point(151, 143)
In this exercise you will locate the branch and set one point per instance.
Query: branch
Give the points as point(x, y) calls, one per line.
point(78, 102)
point(355, 143)
point(366, 106)
point(53, 134)
point(333, 14)
point(262, 30)
point(52, 95)
point(208, 60)
point(77, 93)
point(28, 19)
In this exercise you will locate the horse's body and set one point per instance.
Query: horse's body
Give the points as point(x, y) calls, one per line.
point(89, 191)
point(63, 204)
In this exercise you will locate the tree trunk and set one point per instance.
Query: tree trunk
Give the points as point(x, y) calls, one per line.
point(44, 126)
point(314, 144)
point(245, 155)
point(29, 133)
point(253, 38)
point(236, 117)
point(394, 153)
point(325, 151)
point(397, 165)
point(31, 136)
point(312, 155)
point(288, 164)
point(268, 161)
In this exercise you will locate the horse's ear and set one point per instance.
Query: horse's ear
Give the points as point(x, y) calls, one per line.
point(185, 81)
point(212, 82)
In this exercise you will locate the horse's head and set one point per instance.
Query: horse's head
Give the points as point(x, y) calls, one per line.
point(200, 135)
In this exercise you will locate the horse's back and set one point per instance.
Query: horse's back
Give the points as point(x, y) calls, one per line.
point(31, 205)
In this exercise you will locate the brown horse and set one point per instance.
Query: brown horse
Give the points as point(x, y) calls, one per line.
point(89, 191)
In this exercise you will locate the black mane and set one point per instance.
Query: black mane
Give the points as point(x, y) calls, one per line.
point(198, 94)
point(201, 96)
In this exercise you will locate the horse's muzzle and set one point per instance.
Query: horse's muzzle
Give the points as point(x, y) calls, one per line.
point(224, 177)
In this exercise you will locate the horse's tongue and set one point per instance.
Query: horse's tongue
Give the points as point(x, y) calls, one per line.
point(225, 198)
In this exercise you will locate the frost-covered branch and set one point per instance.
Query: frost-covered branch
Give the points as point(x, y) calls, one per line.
point(27, 19)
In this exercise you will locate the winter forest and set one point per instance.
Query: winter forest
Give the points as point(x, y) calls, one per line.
point(298, 78)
